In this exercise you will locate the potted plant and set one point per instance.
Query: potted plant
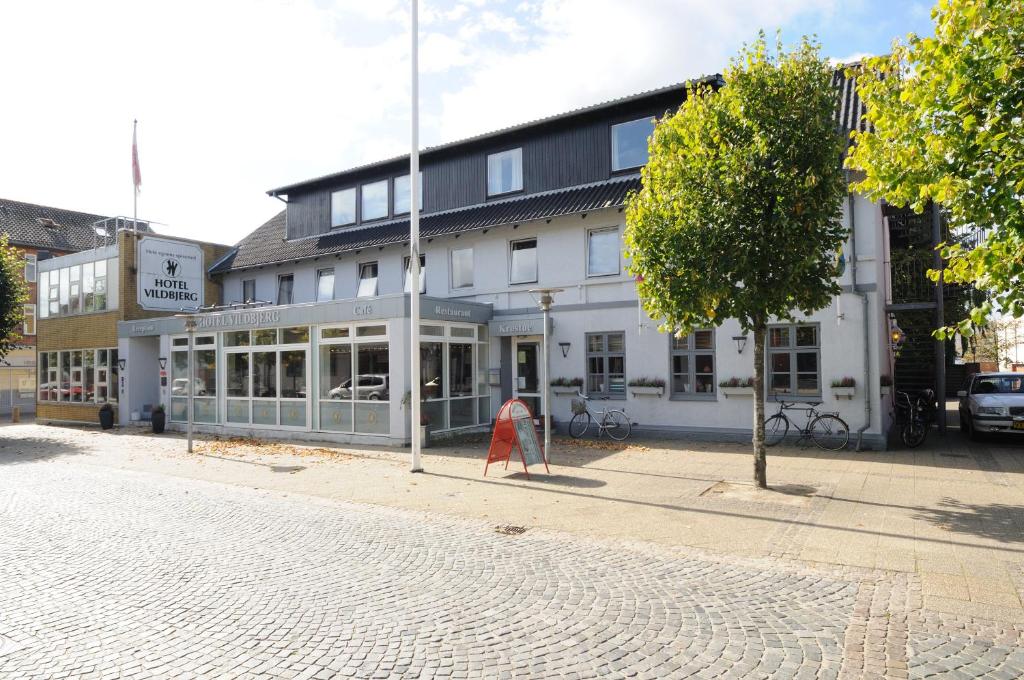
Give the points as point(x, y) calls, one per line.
point(737, 387)
point(566, 386)
point(106, 416)
point(158, 419)
point(652, 387)
point(844, 388)
point(886, 383)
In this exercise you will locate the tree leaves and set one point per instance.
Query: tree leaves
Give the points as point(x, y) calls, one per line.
point(13, 295)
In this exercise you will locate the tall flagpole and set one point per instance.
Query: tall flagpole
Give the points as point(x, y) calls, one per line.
point(136, 177)
point(414, 248)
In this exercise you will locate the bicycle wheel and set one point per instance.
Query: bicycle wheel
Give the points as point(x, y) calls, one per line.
point(616, 424)
point(830, 432)
point(913, 433)
point(775, 429)
point(579, 424)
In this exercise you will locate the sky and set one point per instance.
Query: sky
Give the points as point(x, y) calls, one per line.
point(236, 97)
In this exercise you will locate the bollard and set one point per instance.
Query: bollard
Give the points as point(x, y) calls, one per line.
point(16, 414)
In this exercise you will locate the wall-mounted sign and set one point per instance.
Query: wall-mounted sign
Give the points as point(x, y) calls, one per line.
point(520, 326)
point(254, 318)
point(171, 275)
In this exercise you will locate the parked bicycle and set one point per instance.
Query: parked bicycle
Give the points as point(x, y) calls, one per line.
point(612, 421)
point(827, 430)
point(914, 415)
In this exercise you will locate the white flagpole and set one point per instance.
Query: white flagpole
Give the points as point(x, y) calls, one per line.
point(135, 187)
point(414, 248)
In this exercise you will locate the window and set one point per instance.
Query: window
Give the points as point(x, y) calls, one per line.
point(65, 282)
point(793, 360)
point(355, 379)
point(505, 172)
point(629, 143)
point(406, 265)
point(606, 365)
point(523, 268)
point(100, 284)
point(88, 287)
point(285, 284)
point(73, 290)
point(249, 290)
point(462, 268)
point(343, 207)
point(28, 326)
point(83, 376)
point(53, 295)
point(367, 280)
point(43, 290)
point(374, 201)
point(30, 268)
point(603, 252)
point(76, 289)
point(325, 285)
point(401, 194)
point(693, 364)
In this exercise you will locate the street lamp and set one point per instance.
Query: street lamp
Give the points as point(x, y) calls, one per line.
point(546, 299)
point(190, 328)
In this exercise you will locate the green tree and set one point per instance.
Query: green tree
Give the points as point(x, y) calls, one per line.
point(739, 211)
point(13, 295)
point(946, 126)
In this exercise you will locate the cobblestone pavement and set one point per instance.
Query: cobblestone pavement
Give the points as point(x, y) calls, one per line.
point(111, 573)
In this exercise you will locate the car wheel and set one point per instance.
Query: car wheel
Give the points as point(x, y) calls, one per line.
point(374, 397)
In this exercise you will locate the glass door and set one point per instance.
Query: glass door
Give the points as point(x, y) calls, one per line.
point(526, 376)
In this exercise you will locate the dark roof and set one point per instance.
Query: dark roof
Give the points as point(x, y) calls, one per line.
point(850, 109)
point(26, 224)
point(267, 245)
point(681, 88)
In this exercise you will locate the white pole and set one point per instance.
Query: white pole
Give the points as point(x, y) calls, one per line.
point(414, 247)
point(547, 388)
point(135, 190)
point(190, 326)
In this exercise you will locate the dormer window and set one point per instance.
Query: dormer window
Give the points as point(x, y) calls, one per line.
point(505, 172)
point(629, 143)
point(343, 207)
point(375, 201)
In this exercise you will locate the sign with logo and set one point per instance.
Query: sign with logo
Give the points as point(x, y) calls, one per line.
point(514, 432)
point(171, 275)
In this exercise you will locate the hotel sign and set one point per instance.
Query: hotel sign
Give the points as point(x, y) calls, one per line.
point(256, 319)
point(170, 275)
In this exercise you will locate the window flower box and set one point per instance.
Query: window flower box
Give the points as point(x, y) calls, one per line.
point(564, 390)
point(844, 392)
point(646, 391)
point(741, 392)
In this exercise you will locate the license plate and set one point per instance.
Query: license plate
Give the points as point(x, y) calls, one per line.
point(1018, 424)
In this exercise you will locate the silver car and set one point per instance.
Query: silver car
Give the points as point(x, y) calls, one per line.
point(992, 402)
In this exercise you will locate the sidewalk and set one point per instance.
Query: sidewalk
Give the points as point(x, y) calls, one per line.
point(952, 512)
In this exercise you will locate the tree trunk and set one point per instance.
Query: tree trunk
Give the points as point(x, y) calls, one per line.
point(760, 463)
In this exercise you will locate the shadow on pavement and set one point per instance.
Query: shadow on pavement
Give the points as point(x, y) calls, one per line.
point(996, 521)
point(16, 447)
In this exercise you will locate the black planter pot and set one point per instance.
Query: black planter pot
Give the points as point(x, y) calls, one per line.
point(106, 418)
point(159, 419)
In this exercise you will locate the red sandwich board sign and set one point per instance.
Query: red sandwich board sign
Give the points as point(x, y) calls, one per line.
point(513, 429)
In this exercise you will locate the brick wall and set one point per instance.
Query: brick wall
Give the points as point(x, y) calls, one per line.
point(83, 331)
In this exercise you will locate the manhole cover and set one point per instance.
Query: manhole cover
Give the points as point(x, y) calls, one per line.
point(510, 529)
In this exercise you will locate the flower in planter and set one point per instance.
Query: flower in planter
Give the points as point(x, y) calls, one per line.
point(844, 382)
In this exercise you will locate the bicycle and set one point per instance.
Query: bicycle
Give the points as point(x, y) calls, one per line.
point(614, 422)
point(827, 430)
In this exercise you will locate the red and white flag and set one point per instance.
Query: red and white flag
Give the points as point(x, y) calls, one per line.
point(136, 170)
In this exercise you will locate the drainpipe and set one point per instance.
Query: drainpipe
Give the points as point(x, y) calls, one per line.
point(867, 331)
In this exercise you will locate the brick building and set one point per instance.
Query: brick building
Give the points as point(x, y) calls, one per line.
point(82, 297)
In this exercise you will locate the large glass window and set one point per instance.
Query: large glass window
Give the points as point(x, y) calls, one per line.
point(355, 380)
point(53, 297)
point(43, 361)
point(401, 197)
point(100, 284)
point(406, 283)
point(629, 143)
point(462, 268)
point(264, 375)
point(88, 287)
point(374, 201)
point(793, 360)
point(81, 376)
point(65, 287)
point(460, 369)
point(325, 285)
point(103, 376)
point(693, 364)
point(505, 172)
point(89, 375)
point(343, 207)
point(293, 374)
point(237, 374)
point(453, 376)
point(606, 365)
point(76, 290)
point(367, 280)
point(523, 263)
point(42, 291)
point(603, 252)
point(285, 286)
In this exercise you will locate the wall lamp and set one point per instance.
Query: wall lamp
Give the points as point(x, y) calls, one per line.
point(163, 363)
point(741, 342)
point(121, 363)
point(564, 346)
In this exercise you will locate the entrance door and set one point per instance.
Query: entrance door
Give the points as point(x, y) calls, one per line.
point(526, 376)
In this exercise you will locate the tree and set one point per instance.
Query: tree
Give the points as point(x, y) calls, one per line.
point(945, 126)
point(13, 295)
point(739, 210)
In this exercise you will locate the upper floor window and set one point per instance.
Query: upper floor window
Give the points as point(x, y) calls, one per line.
point(505, 172)
point(76, 289)
point(367, 280)
point(693, 364)
point(794, 368)
point(401, 194)
point(374, 201)
point(28, 325)
point(30, 268)
point(406, 261)
point(343, 207)
point(603, 252)
point(629, 143)
point(249, 290)
point(81, 288)
point(462, 268)
point(325, 284)
point(523, 265)
point(285, 286)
